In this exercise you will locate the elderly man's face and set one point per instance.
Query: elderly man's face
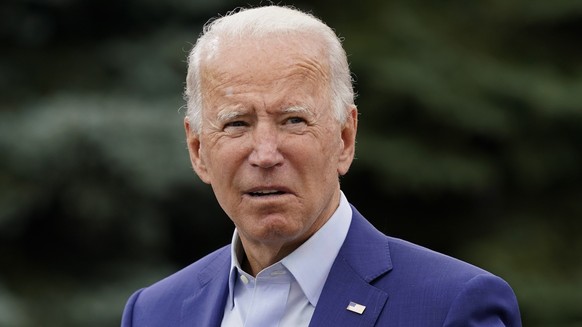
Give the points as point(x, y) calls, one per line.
point(270, 146)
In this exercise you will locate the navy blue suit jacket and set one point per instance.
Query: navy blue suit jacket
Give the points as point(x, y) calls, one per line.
point(401, 284)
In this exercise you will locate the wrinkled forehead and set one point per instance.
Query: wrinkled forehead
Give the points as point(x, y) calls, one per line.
point(249, 55)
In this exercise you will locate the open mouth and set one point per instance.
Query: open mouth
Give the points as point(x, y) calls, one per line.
point(266, 193)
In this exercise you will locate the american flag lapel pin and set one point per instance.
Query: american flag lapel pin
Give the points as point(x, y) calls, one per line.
point(355, 307)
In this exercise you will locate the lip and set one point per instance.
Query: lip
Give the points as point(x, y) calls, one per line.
point(275, 189)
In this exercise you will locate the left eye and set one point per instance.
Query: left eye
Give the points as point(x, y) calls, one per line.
point(295, 120)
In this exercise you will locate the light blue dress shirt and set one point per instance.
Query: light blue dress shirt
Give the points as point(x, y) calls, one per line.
point(285, 294)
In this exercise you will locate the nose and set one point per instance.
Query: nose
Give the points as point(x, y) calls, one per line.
point(265, 153)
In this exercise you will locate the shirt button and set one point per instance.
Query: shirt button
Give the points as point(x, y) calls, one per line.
point(244, 279)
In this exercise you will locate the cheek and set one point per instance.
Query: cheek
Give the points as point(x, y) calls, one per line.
point(224, 160)
point(329, 146)
point(316, 156)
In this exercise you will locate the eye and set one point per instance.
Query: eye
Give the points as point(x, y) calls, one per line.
point(236, 123)
point(235, 127)
point(295, 120)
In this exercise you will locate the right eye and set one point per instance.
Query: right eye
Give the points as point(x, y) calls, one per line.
point(235, 127)
point(236, 123)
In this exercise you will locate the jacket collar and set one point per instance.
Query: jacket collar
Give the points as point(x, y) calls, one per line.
point(364, 256)
point(201, 308)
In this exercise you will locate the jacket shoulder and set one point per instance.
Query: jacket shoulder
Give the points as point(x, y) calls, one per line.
point(427, 284)
point(164, 298)
point(416, 260)
point(193, 275)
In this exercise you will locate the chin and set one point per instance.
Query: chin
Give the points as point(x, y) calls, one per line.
point(277, 233)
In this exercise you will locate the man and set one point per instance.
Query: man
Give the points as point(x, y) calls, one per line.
point(271, 125)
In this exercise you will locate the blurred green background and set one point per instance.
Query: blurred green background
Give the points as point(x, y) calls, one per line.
point(470, 143)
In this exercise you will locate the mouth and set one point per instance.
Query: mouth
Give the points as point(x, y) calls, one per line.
point(266, 192)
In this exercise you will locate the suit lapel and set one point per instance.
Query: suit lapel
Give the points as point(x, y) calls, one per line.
point(205, 308)
point(364, 256)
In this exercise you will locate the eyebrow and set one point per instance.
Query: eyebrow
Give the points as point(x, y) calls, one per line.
point(296, 109)
point(228, 114)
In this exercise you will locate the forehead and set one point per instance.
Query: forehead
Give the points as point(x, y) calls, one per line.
point(266, 59)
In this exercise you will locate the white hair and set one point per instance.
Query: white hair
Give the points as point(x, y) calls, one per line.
point(261, 21)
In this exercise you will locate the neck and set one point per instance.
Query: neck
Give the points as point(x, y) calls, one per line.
point(260, 256)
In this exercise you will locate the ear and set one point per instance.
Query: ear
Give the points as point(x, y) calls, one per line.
point(348, 136)
point(194, 145)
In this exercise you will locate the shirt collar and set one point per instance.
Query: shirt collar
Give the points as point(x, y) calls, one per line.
point(311, 262)
point(236, 252)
